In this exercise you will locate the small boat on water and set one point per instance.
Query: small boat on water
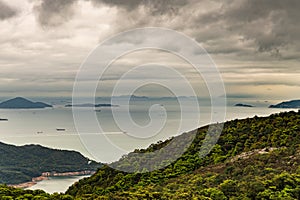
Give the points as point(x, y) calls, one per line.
point(39, 132)
point(2, 119)
point(60, 129)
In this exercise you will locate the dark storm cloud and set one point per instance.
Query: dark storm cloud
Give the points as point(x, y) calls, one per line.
point(129, 5)
point(54, 12)
point(156, 6)
point(271, 24)
point(263, 20)
point(241, 27)
point(6, 11)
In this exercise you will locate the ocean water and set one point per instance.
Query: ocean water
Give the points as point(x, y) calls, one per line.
point(56, 184)
point(39, 126)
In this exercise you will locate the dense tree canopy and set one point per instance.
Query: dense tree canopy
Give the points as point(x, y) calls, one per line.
point(20, 164)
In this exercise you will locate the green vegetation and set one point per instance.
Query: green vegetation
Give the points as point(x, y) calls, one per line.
point(9, 193)
point(255, 158)
point(220, 175)
point(19, 164)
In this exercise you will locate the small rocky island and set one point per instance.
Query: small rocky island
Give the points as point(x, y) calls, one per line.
point(287, 104)
point(22, 103)
point(243, 105)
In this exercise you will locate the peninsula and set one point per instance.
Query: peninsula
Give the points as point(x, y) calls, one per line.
point(287, 104)
point(21, 164)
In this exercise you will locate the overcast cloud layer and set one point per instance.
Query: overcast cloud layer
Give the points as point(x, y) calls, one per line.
point(255, 43)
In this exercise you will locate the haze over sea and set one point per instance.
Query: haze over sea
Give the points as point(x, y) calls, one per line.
point(38, 126)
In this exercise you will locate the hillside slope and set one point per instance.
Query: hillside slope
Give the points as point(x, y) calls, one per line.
point(287, 104)
point(20, 163)
point(255, 158)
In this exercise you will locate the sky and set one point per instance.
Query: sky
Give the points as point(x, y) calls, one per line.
point(255, 44)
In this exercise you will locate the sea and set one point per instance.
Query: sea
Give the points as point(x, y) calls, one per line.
point(104, 134)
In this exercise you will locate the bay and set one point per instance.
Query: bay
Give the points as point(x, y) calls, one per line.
point(56, 184)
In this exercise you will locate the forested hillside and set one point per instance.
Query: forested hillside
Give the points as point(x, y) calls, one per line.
point(255, 158)
point(19, 164)
point(269, 169)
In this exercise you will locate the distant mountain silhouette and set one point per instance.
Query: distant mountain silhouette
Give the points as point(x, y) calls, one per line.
point(287, 104)
point(22, 103)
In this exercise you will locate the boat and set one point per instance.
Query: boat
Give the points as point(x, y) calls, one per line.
point(2, 119)
point(60, 129)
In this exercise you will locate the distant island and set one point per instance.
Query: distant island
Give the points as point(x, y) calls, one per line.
point(287, 104)
point(243, 105)
point(22, 103)
point(138, 98)
point(125, 97)
point(20, 164)
point(88, 105)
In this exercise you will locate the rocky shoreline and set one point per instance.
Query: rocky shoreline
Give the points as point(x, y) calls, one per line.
point(46, 175)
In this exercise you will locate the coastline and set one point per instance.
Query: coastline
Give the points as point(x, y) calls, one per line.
point(46, 175)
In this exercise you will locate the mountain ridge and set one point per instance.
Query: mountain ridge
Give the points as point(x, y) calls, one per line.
point(22, 103)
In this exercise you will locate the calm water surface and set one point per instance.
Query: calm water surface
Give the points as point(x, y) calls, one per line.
point(56, 184)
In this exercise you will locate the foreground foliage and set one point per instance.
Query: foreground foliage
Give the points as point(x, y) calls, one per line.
point(9, 193)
